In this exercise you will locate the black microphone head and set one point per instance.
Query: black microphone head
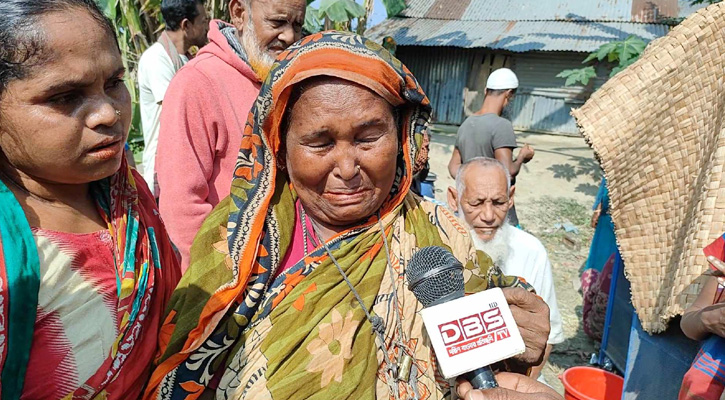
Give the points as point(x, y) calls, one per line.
point(435, 276)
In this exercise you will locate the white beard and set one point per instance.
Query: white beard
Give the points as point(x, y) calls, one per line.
point(498, 247)
point(260, 61)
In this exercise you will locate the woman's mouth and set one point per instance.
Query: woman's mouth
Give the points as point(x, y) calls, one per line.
point(107, 149)
point(346, 197)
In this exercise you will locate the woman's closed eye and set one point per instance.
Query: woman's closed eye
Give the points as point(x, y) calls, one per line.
point(114, 83)
point(370, 137)
point(320, 145)
point(116, 80)
point(66, 98)
point(317, 141)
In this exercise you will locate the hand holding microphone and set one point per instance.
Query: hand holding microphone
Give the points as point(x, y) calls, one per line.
point(470, 333)
point(532, 317)
point(436, 279)
point(512, 387)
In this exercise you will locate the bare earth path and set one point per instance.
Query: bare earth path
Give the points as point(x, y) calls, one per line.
point(557, 186)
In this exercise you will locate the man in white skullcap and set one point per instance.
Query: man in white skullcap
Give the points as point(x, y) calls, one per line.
point(487, 134)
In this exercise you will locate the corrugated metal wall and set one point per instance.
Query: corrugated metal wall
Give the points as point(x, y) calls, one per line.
point(443, 73)
point(543, 103)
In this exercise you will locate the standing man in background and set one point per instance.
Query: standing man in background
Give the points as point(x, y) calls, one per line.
point(203, 120)
point(487, 134)
point(186, 25)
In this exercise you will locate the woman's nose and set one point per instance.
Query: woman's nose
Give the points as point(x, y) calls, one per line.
point(103, 113)
point(347, 167)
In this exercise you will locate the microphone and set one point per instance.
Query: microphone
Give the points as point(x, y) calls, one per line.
point(435, 277)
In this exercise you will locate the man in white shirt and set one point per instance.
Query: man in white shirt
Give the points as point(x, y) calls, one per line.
point(186, 25)
point(483, 196)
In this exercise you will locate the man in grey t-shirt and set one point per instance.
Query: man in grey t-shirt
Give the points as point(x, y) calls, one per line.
point(487, 134)
point(481, 135)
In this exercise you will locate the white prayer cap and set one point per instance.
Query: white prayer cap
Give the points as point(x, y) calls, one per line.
point(502, 79)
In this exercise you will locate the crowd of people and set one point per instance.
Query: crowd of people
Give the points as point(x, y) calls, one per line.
point(262, 252)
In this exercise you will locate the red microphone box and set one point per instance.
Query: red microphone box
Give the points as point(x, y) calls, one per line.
point(472, 332)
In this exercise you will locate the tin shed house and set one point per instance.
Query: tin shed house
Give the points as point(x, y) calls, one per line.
point(452, 45)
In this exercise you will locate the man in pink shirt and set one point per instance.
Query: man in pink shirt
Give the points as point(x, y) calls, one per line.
point(206, 106)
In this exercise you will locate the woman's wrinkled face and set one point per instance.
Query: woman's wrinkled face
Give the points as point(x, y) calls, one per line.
point(341, 151)
point(67, 119)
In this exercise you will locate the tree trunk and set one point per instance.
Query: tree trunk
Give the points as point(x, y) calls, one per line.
point(362, 22)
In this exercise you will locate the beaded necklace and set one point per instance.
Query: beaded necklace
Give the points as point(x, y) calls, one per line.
point(403, 369)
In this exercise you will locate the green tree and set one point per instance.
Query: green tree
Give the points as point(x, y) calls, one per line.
point(340, 14)
point(139, 22)
point(616, 55)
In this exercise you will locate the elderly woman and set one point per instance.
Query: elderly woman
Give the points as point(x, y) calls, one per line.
point(288, 273)
point(86, 267)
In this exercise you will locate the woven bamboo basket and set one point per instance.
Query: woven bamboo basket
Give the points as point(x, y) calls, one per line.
point(657, 129)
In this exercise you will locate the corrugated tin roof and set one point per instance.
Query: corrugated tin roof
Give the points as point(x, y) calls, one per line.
point(514, 36)
point(555, 10)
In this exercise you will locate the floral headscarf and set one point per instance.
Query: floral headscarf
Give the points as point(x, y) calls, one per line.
point(229, 303)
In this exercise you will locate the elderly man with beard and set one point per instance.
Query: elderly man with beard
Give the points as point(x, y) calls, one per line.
point(206, 107)
point(483, 197)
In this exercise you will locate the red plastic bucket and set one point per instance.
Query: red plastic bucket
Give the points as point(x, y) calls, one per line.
point(587, 383)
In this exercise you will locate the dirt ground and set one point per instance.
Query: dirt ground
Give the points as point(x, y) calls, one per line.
point(556, 187)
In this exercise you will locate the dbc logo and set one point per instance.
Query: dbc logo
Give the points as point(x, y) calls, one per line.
point(451, 333)
point(471, 326)
point(493, 319)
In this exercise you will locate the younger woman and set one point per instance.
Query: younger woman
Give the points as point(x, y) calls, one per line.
point(86, 267)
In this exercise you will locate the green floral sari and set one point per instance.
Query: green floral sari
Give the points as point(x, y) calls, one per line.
point(234, 331)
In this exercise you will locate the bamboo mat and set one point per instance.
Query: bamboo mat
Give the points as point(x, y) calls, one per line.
point(657, 129)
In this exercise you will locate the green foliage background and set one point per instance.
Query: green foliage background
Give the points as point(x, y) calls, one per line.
point(616, 55)
point(139, 22)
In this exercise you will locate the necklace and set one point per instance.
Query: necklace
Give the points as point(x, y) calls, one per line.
point(403, 369)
